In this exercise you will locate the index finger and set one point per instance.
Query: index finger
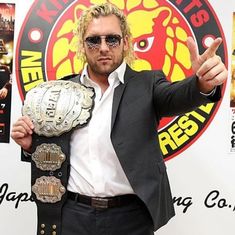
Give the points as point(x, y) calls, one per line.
point(193, 50)
point(211, 50)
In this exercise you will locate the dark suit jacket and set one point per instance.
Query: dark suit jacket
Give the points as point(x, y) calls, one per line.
point(138, 105)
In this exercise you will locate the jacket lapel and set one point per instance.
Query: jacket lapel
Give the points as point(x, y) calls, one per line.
point(119, 90)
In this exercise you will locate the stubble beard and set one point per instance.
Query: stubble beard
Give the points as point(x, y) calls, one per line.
point(105, 69)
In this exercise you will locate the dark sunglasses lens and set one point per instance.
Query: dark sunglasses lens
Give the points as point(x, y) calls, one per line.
point(94, 40)
point(113, 39)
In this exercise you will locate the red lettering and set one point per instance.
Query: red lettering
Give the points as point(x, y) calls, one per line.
point(56, 4)
point(199, 18)
point(46, 14)
point(179, 2)
point(194, 3)
point(49, 14)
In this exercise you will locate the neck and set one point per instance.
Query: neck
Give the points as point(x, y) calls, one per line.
point(100, 79)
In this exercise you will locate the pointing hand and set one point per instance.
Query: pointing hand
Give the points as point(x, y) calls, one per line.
point(208, 67)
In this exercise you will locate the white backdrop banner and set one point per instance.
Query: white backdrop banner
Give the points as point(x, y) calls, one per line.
point(197, 146)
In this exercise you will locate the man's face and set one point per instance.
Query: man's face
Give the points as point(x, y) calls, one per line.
point(104, 54)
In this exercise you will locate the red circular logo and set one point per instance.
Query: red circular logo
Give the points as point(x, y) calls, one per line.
point(46, 50)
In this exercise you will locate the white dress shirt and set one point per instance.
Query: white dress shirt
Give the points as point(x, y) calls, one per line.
point(95, 168)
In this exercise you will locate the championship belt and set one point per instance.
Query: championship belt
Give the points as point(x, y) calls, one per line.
point(55, 108)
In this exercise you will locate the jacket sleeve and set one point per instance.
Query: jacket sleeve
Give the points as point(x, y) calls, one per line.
point(176, 98)
point(25, 156)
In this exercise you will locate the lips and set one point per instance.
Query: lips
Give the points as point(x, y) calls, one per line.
point(104, 58)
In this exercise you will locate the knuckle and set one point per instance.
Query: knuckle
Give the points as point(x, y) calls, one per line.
point(207, 67)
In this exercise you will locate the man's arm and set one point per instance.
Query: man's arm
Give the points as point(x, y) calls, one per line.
point(5, 81)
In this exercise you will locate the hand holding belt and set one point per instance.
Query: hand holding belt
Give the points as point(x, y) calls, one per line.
point(55, 107)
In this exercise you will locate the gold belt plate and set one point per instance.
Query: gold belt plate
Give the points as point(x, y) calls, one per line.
point(48, 157)
point(48, 189)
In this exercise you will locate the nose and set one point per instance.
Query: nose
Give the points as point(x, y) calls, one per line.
point(103, 45)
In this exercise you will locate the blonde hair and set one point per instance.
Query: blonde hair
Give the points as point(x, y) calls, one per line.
point(96, 11)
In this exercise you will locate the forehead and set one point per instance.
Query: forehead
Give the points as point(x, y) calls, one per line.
point(104, 25)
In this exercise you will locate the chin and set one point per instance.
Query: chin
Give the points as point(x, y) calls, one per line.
point(107, 69)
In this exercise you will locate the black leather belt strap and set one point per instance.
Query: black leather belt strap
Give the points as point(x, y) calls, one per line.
point(103, 202)
point(49, 214)
point(49, 219)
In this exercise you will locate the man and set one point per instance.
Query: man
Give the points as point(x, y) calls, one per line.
point(5, 81)
point(5, 102)
point(117, 155)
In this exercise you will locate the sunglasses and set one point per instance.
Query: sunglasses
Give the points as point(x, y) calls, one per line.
point(111, 40)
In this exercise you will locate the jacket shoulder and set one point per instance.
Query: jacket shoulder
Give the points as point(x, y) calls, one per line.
point(152, 76)
point(72, 77)
point(151, 73)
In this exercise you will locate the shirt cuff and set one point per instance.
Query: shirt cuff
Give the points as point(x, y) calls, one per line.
point(26, 154)
point(209, 94)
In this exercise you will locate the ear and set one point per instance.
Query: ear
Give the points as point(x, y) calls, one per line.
point(125, 43)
